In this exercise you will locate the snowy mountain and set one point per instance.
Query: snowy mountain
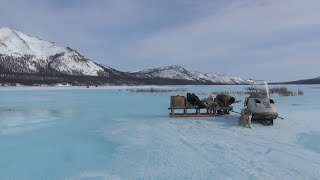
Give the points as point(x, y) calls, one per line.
point(178, 72)
point(21, 53)
point(29, 60)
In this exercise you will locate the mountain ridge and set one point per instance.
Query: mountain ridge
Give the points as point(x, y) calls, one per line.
point(303, 81)
point(179, 72)
point(22, 54)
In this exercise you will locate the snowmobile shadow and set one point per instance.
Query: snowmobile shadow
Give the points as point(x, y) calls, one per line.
point(148, 116)
point(231, 120)
point(226, 121)
point(223, 122)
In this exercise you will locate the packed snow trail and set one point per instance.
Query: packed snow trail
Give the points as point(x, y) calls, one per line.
point(215, 150)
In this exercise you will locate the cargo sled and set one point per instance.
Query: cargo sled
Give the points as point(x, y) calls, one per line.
point(193, 103)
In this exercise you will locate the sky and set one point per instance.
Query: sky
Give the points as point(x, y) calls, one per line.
point(274, 40)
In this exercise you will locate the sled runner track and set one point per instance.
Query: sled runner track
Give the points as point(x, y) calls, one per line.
point(206, 147)
point(219, 152)
point(268, 142)
point(208, 128)
point(273, 140)
point(196, 156)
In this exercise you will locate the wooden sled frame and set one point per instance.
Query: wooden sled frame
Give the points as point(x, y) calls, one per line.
point(181, 103)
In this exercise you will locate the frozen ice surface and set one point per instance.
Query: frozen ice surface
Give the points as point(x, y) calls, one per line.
point(110, 133)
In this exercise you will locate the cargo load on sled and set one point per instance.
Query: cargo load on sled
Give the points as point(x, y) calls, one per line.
point(217, 106)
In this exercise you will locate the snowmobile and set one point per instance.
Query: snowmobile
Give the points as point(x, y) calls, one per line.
point(260, 104)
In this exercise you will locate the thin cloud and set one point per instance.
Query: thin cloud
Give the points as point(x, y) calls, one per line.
point(233, 36)
point(224, 36)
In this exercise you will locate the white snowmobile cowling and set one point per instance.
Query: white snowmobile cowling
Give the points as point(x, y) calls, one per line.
point(262, 108)
point(260, 104)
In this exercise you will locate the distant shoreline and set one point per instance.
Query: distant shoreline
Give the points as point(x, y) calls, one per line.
point(123, 87)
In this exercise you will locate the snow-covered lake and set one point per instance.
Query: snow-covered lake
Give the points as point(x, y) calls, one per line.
point(110, 133)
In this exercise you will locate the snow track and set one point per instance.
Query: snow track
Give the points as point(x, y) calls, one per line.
point(209, 148)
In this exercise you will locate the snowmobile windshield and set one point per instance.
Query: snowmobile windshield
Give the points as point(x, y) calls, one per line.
point(260, 89)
